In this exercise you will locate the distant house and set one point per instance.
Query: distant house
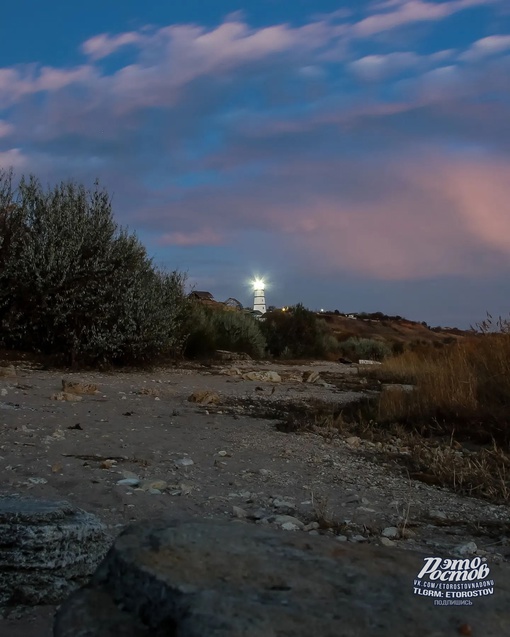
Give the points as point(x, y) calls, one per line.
point(201, 296)
point(233, 304)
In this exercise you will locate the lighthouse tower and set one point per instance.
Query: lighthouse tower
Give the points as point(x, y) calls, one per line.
point(259, 300)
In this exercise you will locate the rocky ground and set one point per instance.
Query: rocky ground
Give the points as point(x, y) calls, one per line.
point(139, 447)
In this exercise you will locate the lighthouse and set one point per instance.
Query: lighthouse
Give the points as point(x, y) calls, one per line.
point(259, 300)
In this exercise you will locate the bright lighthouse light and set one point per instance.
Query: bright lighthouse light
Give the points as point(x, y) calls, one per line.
point(258, 284)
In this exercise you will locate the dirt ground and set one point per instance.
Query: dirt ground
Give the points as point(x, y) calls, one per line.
point(219, 460)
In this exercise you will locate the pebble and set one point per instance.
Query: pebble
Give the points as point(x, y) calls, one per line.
point(341, 538)
point(129, 474)
point(311, 527)
point(280, 520)
point(284, 505)
point(290, 526)
point(158, 485)
point(438, 515)
point(466, 549)
point(184, 462)
point(239, 513)
point(385, 541)
point(38, 480)
point(258, 515)
point(390, 532)
point(129, 482)
point(154, 491)
point(357, 538)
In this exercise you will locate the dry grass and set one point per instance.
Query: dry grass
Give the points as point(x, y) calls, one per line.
point(465, 387)
point(451, 429)
point(457, 416)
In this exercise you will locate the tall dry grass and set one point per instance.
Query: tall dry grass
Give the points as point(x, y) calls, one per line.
point(466, 384)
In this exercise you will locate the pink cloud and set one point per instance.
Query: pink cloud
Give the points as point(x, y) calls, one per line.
point(419, 216)
point(450, 218)
point(402, 12)
point(202, 237)
point(19, 82)
point(5, 128)
point(12, 158)
point(52, 79)
point(103, 45)
point(490, 45)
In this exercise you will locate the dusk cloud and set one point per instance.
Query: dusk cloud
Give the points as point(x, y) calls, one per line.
point(344, 153)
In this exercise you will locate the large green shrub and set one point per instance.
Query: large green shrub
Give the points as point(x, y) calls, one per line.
point(73, 283)
point(297, 333)
point(211, 329)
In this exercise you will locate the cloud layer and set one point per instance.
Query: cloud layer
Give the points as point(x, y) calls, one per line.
point(343, 152)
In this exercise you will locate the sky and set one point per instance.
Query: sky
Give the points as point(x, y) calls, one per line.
point(355, 154)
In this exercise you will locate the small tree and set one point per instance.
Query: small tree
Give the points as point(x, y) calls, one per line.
point(76, 284)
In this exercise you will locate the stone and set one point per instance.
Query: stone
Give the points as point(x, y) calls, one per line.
point(311, 376)
point(280, 520)
point(469, 548)
point(204, 397)
point(385, 541)
point(239, 513)
point(159, 485)
point(66, 396)
point(75, 387)
point(283, 506)
point(47, 550)
point(438, 515)
point(128, 482)
point(312, 526)
point(184, 462)
point(230, 371)
point(8, 371)
point(270, 377)
point(290, 526)
point(391, 532)
point(206, 577)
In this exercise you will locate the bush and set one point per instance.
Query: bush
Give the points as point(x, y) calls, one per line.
point(298, 333)
point(74, 284)
point(211, 329)
point(365, 348)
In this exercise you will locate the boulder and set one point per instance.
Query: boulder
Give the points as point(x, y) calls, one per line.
point(225, 579)
point(47, 550)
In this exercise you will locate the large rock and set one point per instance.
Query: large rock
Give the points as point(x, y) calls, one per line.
point(47, 550)
point(219, 579)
